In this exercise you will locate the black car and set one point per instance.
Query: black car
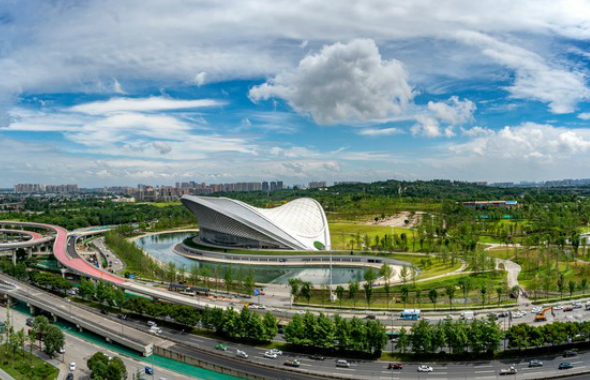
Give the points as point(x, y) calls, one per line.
point(104, 312)
point(569, 354)
point(316, 357)
point(535, 363)
point(70, 376)
point(30, 322)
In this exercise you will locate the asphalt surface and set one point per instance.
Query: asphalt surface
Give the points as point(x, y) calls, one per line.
point(117, 264)
point(372, 369)
point(79, 350)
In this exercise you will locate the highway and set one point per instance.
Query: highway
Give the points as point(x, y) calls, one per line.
point(62, 308)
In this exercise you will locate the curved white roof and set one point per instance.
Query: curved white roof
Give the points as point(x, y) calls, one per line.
point(297, 224)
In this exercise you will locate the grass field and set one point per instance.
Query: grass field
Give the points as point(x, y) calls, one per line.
point(343, 232)
point(23, 366)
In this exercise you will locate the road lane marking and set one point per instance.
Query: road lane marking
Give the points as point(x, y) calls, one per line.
point(484, 371)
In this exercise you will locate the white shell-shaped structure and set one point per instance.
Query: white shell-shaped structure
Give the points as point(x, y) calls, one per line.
point(300, 224)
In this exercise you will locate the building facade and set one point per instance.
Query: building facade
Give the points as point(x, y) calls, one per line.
point(298, 225)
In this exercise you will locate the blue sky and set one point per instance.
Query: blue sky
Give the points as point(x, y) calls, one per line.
point(125, 92)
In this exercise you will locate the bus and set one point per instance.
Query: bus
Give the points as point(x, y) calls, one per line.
point(410, 314)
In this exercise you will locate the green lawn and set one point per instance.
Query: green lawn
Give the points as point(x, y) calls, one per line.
point(23, 366)
point(435, 269)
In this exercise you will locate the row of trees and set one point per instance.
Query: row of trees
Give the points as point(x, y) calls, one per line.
point(459, 337)
point(523, 336)
point(336, 334)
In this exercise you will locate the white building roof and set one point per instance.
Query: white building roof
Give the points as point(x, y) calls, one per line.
point(298, 224)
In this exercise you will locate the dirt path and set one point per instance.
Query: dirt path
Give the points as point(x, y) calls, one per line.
point(399, 220)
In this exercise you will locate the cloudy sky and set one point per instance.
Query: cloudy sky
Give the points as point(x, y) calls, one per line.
point(125, 92)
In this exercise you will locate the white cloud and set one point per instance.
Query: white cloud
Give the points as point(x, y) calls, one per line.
point(380, 132)
point(162, 147)
point(584, 115)
point(117, 88)
point(561, 87)
point(151, 104)
point(528, 141)
point(200, 78)
point(450, 113)
point(476, 131)
point(342, 83)
point(454, 111)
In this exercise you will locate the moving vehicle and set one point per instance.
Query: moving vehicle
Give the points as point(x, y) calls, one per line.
point(155, 330)
point(72, 366)
point(62, 350)
point(241, 354)
point(149, 370)
point(570, 354)
point(569, 308)
point(508, 371)
point(316, 357)
point(270, 355)
point(275, 351)
point(425, 368)
point(221, 347)
point(565, 365)
point(292, 363)
point(535, 363)
point(70, 376)
point(410, 315)
point(30, 322)
point(342, 363)
point(151, 323)
point(467, 315)
point(395, 366)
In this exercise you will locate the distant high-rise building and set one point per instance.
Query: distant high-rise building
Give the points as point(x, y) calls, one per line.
point(265, 186)
point(273, 186)
point(279, 185)
point(317, 184)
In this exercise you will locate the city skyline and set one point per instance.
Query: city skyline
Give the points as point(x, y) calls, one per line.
point(115, 96)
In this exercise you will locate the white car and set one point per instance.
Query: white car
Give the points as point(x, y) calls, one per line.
point(151, 323)
point(72, 366)
point(262, 307)
point(536, 310)
point(241, 354)
point(270, 355)
point(424, 368)
point(62, 350)
point(558, 307)
point(275, 351)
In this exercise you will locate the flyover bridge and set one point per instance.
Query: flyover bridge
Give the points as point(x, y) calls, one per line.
point(132, 338)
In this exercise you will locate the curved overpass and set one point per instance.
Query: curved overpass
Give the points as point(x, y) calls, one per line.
point(34, 239)
point(75, 264)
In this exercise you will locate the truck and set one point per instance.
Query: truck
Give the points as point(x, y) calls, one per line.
point(467, 315)
point(508, 371)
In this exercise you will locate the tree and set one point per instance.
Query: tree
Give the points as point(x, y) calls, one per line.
point(249, 283)
point(368, 292)
point(228, 278)
point(87, 288)
point(370, 276)
point(306, 290)
point(386, 271)
point(116, 369)
point(295, 284)
point(433, 296)
point(54, 340)
point(499, 293)
point(450, 292)
point(404, 273)
point(572, 287)
point(405, 295)
point(271, 327)
point(403, 340)
point(171, 271)
point(353, 288)
point(119, 297)
point(340, 293)
point(483, 290)
point(561, 284)
point(466, 284)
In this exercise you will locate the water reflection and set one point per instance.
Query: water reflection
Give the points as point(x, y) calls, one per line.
point(160, 247)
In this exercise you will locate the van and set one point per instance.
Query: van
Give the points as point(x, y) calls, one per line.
point(342, 363)
point(151, 323)
point(155, 330)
